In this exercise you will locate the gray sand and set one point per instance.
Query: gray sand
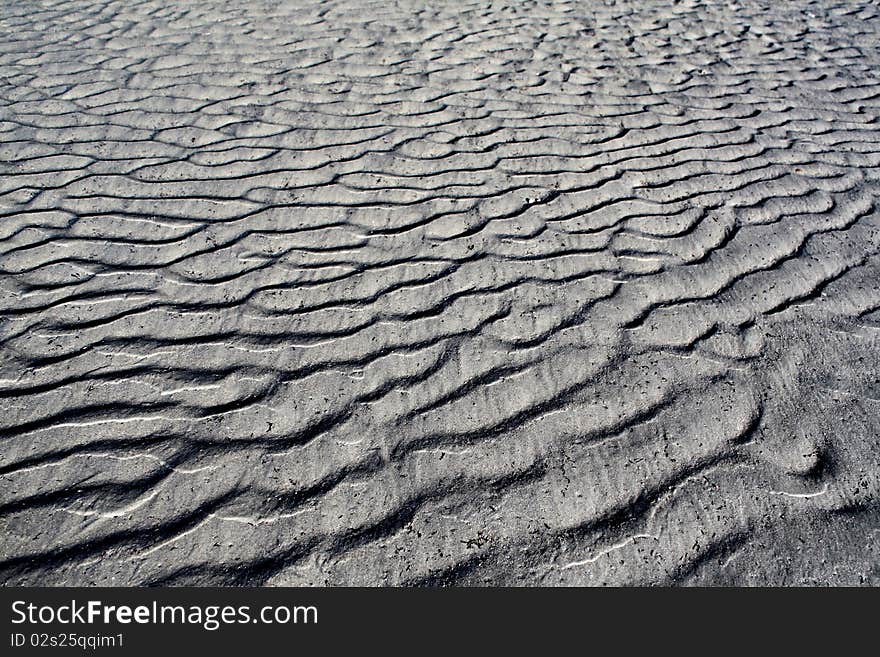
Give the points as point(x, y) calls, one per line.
point(440, 292)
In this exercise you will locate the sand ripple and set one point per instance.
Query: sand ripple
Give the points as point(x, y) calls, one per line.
point(439, 292)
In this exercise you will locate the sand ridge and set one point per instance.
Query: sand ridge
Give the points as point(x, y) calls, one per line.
point(439, 292)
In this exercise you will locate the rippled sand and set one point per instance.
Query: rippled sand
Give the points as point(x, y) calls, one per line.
point(440, 292)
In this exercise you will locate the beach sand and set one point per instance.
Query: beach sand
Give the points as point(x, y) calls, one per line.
point(440, 293)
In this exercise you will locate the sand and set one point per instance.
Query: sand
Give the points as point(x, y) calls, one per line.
point(421, 293)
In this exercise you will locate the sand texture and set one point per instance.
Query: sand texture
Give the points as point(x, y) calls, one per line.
point(411, 293)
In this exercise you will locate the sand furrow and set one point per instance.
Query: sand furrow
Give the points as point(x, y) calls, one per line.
point(339, 292)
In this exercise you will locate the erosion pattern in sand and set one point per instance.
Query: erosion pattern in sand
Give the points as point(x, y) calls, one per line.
point(440, 293)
